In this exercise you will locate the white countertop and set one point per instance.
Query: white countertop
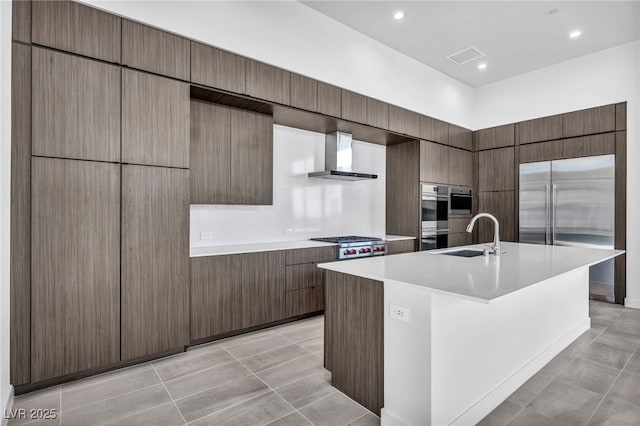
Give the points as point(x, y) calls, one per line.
point(480, 278)
point(221, 250)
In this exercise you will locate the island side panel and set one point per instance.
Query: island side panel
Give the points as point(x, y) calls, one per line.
point(354, 337)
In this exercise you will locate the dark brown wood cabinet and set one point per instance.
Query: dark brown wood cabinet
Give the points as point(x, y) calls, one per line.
point(401, 246)
point(403, 189)
point(460, 239)
point(460, 137)
point(434, 130)
point(76, 28)
point(621, 116)
point(496, 137)
point(496, 169)
point(311, 255)
point(75, 270)
point(329, 100)
point(587, 146)
point(501, 204)
point(434, 163)
point(21, 21)
point(210, 157)
point(305, 289)
point(540, 129)
point(155, 260)
point(251, 158)
point(263, 288)
point(155, 120)
point(216, 295)
point(589, 121)
point(156, 51)
point(217, 68)
point(377, 113)
point(354, 106)
point(20, 238)
point(541, 151)
point(304, 92)
point(76, 107)
point(460, 165)
point(404, 121)
point(267, 82)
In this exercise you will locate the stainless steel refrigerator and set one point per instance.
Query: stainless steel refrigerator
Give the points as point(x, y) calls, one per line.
point(572, 203)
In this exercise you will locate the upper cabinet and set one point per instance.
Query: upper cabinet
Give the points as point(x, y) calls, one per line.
point(496, 169)
point(621, 116)
point(404, 121)
point(267, 82)
point(21, 22)
point(496, 137)
point(75, 107)
point(460, 137)
point(217, 68)
point(434, 130)
point(73, 27)
point(231, 155)
point(153, 50)
point(540, 129)
point(460, 164)
point(329, 100)
point(377, 113)
point(434, 163)
point(155, 120)
point(354, 106)
point(589, 121)
point(304, 92)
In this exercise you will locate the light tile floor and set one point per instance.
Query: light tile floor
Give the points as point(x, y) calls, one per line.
point(276, 377)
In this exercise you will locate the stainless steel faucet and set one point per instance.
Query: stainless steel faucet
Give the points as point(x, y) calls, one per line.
point(496, 230)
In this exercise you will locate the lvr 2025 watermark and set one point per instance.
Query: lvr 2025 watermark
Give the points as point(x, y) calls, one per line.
point(31, 414)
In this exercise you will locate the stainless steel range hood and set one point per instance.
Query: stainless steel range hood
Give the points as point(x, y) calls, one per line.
point(338, 158)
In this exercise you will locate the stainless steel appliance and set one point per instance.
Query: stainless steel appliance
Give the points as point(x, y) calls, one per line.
point(338, 159)
point(435, 216)
point(352, 246)
point(460, 201)
point(572, 203)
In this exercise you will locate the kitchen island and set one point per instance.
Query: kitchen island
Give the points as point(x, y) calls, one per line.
point(426, 338)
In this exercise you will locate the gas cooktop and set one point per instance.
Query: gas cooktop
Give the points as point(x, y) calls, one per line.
point(346, 239)
point(353, 246)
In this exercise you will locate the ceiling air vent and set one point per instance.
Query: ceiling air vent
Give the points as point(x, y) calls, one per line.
point(465, 55)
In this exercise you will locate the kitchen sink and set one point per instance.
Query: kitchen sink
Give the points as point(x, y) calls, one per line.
point(463, 253)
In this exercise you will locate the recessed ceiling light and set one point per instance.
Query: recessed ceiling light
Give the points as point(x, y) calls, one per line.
point(553, 11)
point(482, 66)
point(575, 34)
point(398, 15)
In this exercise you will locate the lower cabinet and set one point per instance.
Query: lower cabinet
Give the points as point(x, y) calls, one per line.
point(401, 246)
point(75, 299)
point(263, 287)
point(305, 289)
point(155, 260)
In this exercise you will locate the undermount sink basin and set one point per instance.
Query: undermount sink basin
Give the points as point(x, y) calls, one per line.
point(463, 253)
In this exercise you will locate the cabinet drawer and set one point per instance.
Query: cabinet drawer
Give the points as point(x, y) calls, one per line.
point(304, 275)
point(404, 246)
point(305, 301)
point(309, 255)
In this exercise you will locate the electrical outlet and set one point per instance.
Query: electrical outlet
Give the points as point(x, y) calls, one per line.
point(399, 312)
point(206, 235)
point(287, 231)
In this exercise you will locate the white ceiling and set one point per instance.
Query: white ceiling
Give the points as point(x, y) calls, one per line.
point(516, 36)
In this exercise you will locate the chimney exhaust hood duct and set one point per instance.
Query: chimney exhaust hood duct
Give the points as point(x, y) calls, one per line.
point(338, 159)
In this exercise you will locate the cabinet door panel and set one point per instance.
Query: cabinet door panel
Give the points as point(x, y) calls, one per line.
point(589, 145)
point(155, 260)
point(304, 275)
point(21, 22)
point(434, 162)
point(434, 130)
point(460, 167)
point(313, 254)
point(496, 169)
point(268, 82)
point(460, 239)
point(263, 288)
point(621, 116)
point(354, 106)
point(76, 107)
point(403, 189)
point(404, 121)
point(496, 137)
point(540, 129)
point(305, 301)
point(216, 68)
point(541, 151)
point(304, 92)
point(460, 137)
point(501, 204)
point(329, 100)
point(75, 270)
point(403, 246)
point(73, 27)
point(153, 50)
point(155, 127)
point(251, 158)
point(377, 113)
point(593, 120)
point(210, 158)
point(216, 295)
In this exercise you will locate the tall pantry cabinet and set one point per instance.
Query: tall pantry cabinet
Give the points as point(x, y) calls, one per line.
point(100, 192)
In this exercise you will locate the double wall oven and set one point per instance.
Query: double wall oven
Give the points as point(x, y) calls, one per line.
point(438, 202)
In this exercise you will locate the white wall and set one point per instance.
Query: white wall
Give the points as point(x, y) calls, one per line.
point(5, 189)
point(601, 78)
point(309, 207)
point(293, 36)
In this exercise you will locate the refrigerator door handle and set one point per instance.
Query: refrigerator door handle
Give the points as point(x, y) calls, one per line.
point(547, 206)
point(554, 197)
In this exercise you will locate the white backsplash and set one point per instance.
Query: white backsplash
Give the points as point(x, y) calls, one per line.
point(307, 207)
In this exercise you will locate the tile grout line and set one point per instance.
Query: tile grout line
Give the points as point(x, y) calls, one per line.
point(107, 399)
point(169, 393)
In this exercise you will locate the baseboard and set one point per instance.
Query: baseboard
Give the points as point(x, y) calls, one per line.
point(7, 408)
point(632, 303)
point(489, 402)
point(388, 419)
